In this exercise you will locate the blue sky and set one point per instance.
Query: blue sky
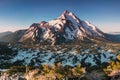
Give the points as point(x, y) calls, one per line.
point(20, 14)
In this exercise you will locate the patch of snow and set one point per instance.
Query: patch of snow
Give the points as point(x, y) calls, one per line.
point(107, 57)
point(69, 35)
point(90, 60)
point(27, 56)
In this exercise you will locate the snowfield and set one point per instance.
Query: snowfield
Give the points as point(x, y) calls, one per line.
point(70, 58)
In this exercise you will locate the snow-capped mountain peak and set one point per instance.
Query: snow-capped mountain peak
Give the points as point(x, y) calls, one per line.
point(69, 16)
point(62, 29)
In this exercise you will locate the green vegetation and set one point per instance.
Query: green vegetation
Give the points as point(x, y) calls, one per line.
point(5, 50)
point(113, 67)
point(54, 72)
point(62, 72)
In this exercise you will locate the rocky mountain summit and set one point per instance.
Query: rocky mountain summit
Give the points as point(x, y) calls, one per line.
point(65, 28)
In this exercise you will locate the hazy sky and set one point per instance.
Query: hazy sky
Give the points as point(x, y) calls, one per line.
point(20, 14)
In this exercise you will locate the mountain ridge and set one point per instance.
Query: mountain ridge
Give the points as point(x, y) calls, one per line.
point(5, 33)
point(13, 37)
